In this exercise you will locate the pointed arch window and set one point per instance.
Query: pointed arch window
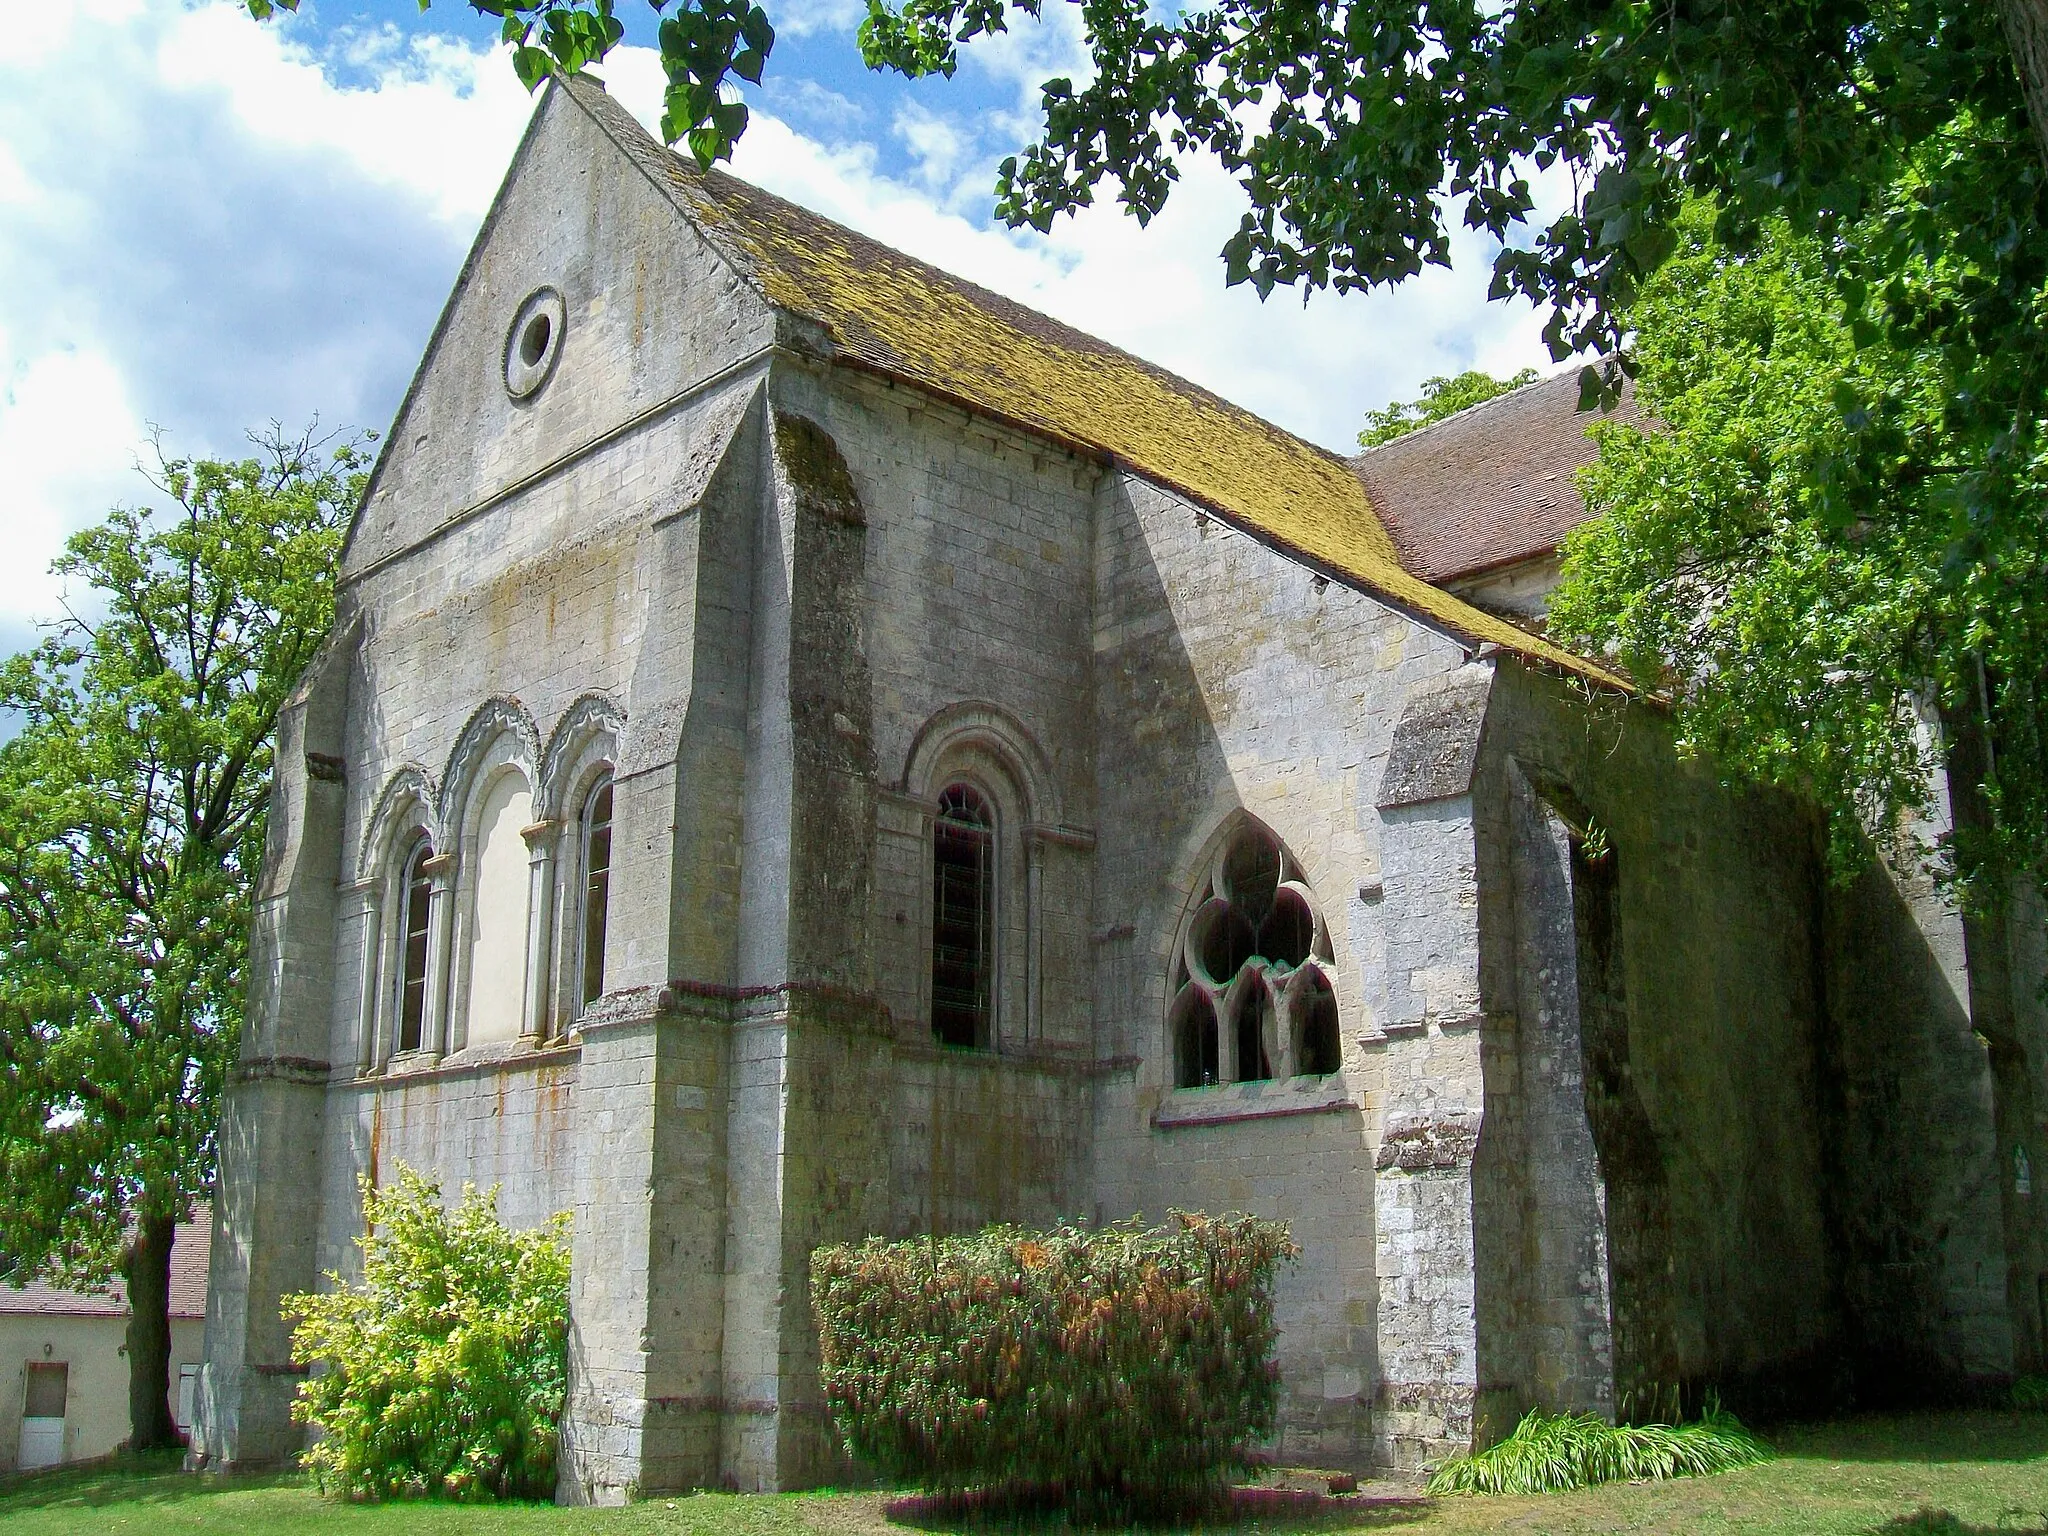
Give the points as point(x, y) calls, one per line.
point(416, 912)
point(597, 889)
point(963, 916)
point(1252, 998)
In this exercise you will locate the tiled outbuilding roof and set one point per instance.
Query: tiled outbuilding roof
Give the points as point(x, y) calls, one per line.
point(190, 1252)
point(1491, 485)
point(902, 318)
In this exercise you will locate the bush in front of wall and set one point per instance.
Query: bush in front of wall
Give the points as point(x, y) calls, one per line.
point(1550, 1453)
point(1114, 1371)
point(441, 1373)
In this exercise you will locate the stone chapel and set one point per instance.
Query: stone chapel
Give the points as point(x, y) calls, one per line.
point(811, 748)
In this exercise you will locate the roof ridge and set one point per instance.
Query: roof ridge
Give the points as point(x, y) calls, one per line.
point(1463, 412)
point(718, 182)
point(990, 299)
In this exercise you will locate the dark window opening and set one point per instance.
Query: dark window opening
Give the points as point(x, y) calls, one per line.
point(1317, 1052)
point(1253, 1064)
point(419, 901)
point(533, 342)
point(1251, 873)
point(1290, 929)
point(1224, 941)
point(1197, 1062)
point(597, 887)
point(963, 916)
point(48, 1387)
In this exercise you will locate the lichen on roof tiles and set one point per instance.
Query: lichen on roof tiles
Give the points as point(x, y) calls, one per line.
point(903, 318)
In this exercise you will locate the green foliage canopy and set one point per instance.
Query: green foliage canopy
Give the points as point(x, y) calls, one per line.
point(442, 1372)
point(1812, 623)
point(131, 825)
point(1441, 396)
point(1118, 1371)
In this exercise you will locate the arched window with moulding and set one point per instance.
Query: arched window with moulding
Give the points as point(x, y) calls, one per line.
point(597, 888)
point(963, 916)
point(416, 903)
point(1251, 997)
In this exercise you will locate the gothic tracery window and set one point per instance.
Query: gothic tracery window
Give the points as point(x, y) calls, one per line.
point(963, 916)
point(1251, 988)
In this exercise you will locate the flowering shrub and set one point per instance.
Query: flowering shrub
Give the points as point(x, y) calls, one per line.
point(1115, 1370)
point(442, 1373)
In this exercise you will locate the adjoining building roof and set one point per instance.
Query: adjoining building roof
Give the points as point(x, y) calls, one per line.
point(191, 1250)
point(902, 318)
point(1490, 486)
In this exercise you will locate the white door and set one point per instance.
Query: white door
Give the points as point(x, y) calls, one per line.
point(42, 1443)
point(188, 1383)
point(42, 1419)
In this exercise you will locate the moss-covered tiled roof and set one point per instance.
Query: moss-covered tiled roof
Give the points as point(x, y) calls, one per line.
point(900, 317)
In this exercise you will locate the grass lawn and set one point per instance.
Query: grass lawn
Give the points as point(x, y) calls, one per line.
point(1954, 1474)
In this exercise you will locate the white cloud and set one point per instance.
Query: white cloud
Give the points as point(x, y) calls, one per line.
point(68, 437)
point(203, 230)
point(819, 104)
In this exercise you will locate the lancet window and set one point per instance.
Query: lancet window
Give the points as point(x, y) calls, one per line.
point(597, 884)
point(417, 901)
point(963, 916)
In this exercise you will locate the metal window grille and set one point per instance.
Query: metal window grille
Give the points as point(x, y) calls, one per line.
point(597, 886)
point(419, 899)
point(963, 916)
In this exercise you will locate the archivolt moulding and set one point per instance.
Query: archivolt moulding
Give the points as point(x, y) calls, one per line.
point(976, 723)
point(590, 730)
point(406, 801)
point(496, 718)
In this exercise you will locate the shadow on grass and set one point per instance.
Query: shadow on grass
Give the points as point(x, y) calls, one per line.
point(1969, 1435)
point(985, 1512)
point(155, 1477)
point(1939, 1522)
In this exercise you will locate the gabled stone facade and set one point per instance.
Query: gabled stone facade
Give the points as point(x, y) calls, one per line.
point(762, 660)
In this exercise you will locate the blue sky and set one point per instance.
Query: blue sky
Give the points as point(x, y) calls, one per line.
point(207, 223)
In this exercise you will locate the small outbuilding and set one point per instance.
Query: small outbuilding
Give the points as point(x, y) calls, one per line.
point(64, 1361)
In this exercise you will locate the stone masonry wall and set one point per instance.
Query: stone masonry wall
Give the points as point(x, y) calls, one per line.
point(1230, 680)
point(1703, 1078)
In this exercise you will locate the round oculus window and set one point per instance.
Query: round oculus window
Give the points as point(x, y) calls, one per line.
point(534, 343)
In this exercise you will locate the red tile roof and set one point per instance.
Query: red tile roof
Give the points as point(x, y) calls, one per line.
point(1491, 485)
point(190, 1251)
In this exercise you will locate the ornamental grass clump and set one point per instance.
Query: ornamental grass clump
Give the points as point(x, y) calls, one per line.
point(441, 1373)
point(1550, 1453)
point(1115, 1372)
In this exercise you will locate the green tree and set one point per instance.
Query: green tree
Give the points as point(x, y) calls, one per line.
point(132, 808)
point(1440, 397)
point(1810, 629)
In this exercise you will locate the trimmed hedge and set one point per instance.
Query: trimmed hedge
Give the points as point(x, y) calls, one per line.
point(1114, 1370)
